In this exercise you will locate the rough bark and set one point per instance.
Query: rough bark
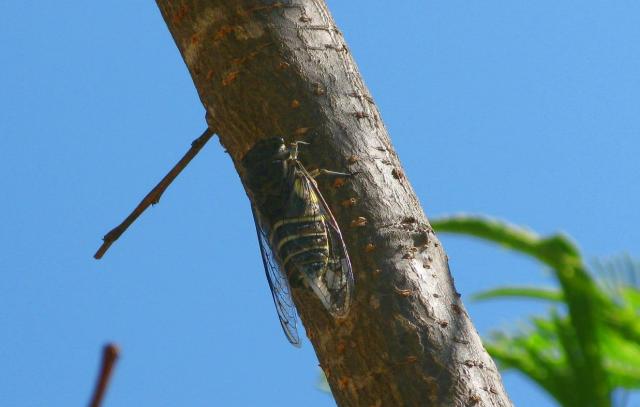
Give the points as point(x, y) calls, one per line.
point(271, 68)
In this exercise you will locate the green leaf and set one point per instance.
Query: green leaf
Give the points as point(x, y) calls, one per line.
point(535, 353)
point(547, 294)
point(619, 277)
point(622, 360)
point(631, 298)
point(585, 301)
point(489, 229)
point(616, 272)
point(597, 347)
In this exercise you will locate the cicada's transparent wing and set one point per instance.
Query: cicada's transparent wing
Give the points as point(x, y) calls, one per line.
point(280, 290)
point(339, 276)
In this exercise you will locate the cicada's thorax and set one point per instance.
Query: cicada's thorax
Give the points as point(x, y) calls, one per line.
point(299, 238)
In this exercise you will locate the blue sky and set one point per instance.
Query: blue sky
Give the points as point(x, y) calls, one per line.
point(528, 111)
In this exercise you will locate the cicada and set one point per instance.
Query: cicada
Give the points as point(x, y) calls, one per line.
point(300, 240)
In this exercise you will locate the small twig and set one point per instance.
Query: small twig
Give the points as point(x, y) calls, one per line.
point(153, 197)
point(109, 357)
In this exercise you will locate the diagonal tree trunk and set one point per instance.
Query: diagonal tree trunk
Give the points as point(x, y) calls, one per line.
point(265, 69)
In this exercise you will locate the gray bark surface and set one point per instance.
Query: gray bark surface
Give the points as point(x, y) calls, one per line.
point(265, 69)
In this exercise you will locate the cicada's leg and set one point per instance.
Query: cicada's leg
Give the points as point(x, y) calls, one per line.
point(318, 172)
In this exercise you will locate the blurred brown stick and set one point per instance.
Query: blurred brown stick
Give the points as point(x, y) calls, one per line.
point(153, 197)
point(109, 357)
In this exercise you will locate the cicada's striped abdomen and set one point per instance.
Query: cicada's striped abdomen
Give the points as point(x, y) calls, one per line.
point(301, 243)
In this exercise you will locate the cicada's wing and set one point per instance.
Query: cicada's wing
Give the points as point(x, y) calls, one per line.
point(339, 277)
point(280, 290)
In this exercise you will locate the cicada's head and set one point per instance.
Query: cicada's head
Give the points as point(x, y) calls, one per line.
point(268, 149)
point(266, 166)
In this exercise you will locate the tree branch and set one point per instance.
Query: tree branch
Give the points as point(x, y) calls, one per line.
point(153, 197)
point(110, 354)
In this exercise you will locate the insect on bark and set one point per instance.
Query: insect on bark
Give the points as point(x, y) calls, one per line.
point(300, 240)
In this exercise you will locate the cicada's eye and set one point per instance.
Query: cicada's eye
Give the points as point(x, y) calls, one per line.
point(281, 154)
